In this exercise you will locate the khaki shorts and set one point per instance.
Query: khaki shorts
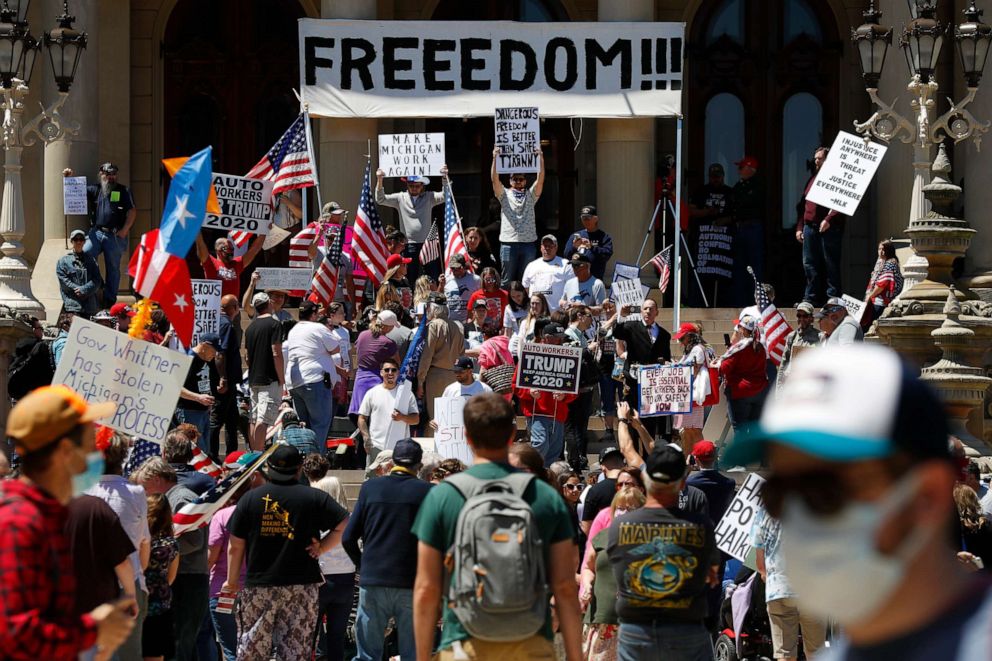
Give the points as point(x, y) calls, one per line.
point(786, 620)
point(265, 403)
point(473, 649)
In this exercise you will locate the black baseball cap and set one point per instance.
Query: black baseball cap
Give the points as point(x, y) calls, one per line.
point(716, 168)
point(108, 168)
point(464, 363)
point(588, 210)
point(407, 452)
point(581, 257)
point(283, 463)
point(666, 464)
point(606, 452)
point(212, 339)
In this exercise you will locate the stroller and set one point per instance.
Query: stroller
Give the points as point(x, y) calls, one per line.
point(753, 641)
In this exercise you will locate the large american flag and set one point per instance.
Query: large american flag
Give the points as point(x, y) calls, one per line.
point(202, 463)
point(198, 513)
point(662, 262)
point(454, 243)
point(288, 164)
point(368, 243)
point(325, 280)
point(775, 328)
point(431, 249)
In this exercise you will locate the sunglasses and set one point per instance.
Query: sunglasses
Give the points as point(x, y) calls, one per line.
point(824, 492)
point(78, 239)
point(389, 370)
point(572, 487)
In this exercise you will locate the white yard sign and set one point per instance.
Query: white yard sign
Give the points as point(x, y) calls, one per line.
point(843, 178)
point(245, 204)
point(411, 154)
point(733, 533)
point(284, 278)
point(206, 295)
point(518, 135)
point(74, 202)
point(449, 439)
point(143, 378)
point(627, 293)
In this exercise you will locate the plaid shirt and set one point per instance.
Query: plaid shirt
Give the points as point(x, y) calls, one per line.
point(37, 584)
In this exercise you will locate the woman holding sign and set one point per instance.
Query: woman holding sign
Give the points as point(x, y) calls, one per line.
point(697, 354)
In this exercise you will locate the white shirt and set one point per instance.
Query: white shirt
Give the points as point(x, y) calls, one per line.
point(342, 358)
point(131, 506)
point(458, 291)
point(548, 278)
point(378, 406)
point(307, 354)
point(458, 390)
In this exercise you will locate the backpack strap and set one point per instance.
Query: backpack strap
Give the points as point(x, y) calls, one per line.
point(519, 482)
point(465, 484)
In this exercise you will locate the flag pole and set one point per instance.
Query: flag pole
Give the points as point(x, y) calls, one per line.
point(677, 266)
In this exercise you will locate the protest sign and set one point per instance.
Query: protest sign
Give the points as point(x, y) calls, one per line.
point(449, 439)
point(843, 178)
point(733, 532)
point(372, 69)
point(549, 367)
point(411, 154)
point(245, 204)
point(664, 390)
point(627, 293)
point(715, 251)
point(144, 379)
point(855, 307)
point(276, 236)
point(518, 135)
point(623, 271)
point(74, 201)
point(206, 319)
point(285, 278)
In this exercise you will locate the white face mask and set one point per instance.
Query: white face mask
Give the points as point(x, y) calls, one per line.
point(832, 563)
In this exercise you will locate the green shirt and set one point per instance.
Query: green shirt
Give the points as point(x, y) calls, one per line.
point(435, 526)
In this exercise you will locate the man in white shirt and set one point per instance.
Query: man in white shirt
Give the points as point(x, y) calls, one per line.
point(459, 285)
point(310, 370)
point(518, 222)
point(414, 208)
point(465, 385)
point(548, 274)
point(386, 412)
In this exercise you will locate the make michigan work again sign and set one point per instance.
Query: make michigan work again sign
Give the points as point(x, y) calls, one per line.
point(469, 68)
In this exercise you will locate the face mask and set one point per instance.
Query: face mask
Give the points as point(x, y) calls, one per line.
point(90, 476)
point(620, 511)
point(833, 564)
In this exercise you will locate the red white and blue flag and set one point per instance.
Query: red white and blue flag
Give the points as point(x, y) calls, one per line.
point(774, 328)
point(454, 242)
point(288, 164)
point(431, 249)
point(368, 244)
point(662, 263)
point(325, 280)
point(158, 266)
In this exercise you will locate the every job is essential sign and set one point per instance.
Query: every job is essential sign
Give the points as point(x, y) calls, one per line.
point(465, 69)
point(518, 136)
point(549, 367)
point(664, 390)
point(843, 178)
point(245, 204)
point(144, 379)
point(411, 154)
point(733, 532)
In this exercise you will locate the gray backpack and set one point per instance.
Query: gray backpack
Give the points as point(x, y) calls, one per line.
point(497, 585)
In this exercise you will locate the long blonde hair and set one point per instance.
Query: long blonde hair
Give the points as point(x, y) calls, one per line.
point(630, 499)
point(332, 487)
point(387, 294)
point(422, 290)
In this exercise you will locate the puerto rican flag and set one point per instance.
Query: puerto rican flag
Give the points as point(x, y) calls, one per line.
point(158, 266)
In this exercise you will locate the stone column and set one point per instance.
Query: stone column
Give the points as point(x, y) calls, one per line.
point(78, 152)
point(625, 166)
point(343, 143)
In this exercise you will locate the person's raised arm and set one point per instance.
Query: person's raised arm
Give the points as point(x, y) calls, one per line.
point(427, 598)
point(624, 437)
point(538, 186)
point(202, 253)
point(497, 185)
point(253, 249)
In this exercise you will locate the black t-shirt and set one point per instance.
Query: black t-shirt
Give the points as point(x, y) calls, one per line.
point(260, 337)
point(97, 543)
point(599, 498)
point(230, 340)
point(279, 522)
point(693, 499)
point(660, 560)
point(197, 380)
point(716, 197)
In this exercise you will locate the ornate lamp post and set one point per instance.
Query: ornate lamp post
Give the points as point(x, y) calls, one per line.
point(18, 50)
point(921, 41)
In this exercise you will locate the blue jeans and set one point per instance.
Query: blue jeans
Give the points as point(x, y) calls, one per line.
point(206, 640)
point(515, 257)
point(749, 250)
point(202, 421)
point(821, 262)
point(314, 405)
point(112, 247)
point(226, 629)
point(547, 435)
point(375, 606)
point(745, 410)
point(670, 641)
point(190, 601)
point(335, 598)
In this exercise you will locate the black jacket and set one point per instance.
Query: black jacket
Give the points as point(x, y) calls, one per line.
point(640, 348)
point(719, 490)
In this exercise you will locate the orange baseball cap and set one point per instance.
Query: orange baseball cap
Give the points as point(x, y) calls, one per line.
point(48, 413)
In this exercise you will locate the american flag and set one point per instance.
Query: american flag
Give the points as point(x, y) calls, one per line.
point(369, 239)
point(201, 462)
point(197, 514)
point(431, 249)
point(240, 240)
point(662, 262)
point(288, 164)
point(325, 280)
point(299, 244)
point(454, 243)
point(775, 328)
point(141, 452)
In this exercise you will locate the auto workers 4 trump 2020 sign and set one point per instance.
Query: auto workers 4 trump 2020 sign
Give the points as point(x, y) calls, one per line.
point(469, 68)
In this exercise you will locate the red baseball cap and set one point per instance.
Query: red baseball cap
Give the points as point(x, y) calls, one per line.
point(120, 309)
point(231, 460)
point(747, 162)
point(685, 329)
point(704, 450)
point(395, 260)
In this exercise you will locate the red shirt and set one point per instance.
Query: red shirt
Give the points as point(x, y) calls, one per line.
point(545, 404)
point(37, 582)
point(745, 372)
point(230, 276)
point(496, 302)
